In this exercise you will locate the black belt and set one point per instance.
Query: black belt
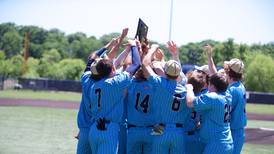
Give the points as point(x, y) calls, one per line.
point(189, 133)
point(178, 125)
point(130, 126)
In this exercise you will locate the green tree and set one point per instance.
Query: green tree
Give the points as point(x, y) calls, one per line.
point(260, 74)
point(32, 68)
point(71, 68)
point(229, 49)
point(11, 43)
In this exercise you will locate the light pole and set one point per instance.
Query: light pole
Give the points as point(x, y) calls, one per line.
point(170, 20)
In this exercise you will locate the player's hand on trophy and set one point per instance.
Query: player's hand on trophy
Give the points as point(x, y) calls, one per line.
point(139, 46)
point(132, 42)
point(145, 46)
point(172, 48)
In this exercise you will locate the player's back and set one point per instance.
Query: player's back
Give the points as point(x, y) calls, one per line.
point(169, 101)
point(215, 116)
point(139, 102)
point(238, 113)
point(107, 97)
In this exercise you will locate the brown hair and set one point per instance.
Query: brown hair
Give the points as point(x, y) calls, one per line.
point(104, 68)
point(196, 80)
point(234, 75)
point(219, 82)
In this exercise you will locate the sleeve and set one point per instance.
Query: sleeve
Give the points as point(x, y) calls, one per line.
point(155, 80)
point(203, 102)
point(235, 96)
point(136, 61)
point(85, 78)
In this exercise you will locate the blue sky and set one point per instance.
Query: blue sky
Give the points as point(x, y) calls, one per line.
point(247, 21)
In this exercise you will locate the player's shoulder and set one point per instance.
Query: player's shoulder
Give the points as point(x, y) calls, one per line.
point(118, 77)
point(209, 96)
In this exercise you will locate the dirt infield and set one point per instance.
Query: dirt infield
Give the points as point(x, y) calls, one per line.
point(259, 136)
point(253, 135)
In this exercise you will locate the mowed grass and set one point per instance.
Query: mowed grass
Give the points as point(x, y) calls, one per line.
point(27, 130)
point(260, 108)
point(42, 95)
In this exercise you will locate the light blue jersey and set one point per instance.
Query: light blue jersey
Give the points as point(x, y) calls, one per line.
point(84, 116)
point(106, 101)
point(171, 112)
point(238, 115)
point(140, 117)
point(215, 127)
point(140, 97)
point(193, 142)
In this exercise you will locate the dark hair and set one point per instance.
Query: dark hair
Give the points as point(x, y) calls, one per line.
point(196, 81)
point(104, 68)
point(140, 75)
point(219, 82)
point(234, 75)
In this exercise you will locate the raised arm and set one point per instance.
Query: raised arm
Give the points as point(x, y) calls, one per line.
point(189, 95)
point(172, 48)
point(211, 65)
point(148, 71)
point(121, 57)
point(136, 60)
point(116, 47)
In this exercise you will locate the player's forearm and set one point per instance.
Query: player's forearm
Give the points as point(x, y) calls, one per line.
point(189, 96)
point(88, 65)
point(148, 56)
point(136, 60)
point(211, 65)
point(115, 49)
point(121, 57)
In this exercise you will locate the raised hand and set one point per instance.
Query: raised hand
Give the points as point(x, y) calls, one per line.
point(208, 49)
point(124, 33)
point(172, 48)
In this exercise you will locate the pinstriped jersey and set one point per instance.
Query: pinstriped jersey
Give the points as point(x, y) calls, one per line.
point(107, 97)
point(215, 109)
point(169, 100)
point(139, 102)
point(238, 115)
point(192, 118)
point(84, 116)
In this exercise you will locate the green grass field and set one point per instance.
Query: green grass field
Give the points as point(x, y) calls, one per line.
point(44, 95)
point(28, 130)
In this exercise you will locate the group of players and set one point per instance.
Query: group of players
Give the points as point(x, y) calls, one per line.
point(146, 105)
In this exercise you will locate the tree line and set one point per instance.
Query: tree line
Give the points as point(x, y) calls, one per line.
point(55, 55)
